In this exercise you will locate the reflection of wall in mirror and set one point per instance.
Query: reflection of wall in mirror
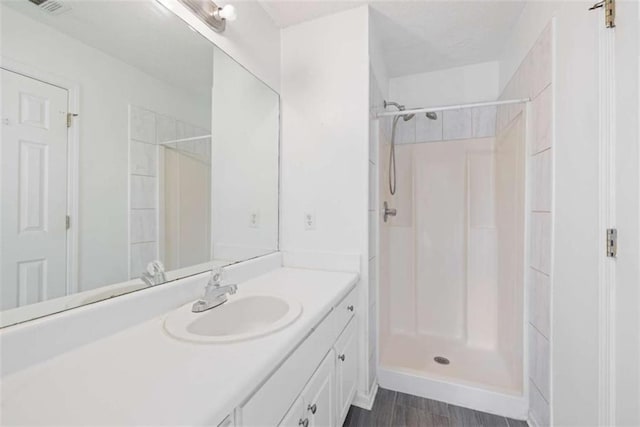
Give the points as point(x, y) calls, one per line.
point(245, 147)
point(170, 166)
point(107, 86)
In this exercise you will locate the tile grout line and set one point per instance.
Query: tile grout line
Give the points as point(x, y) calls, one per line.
point(538, 389)
point(535, 153)
point(539, 271)
point(539, 331)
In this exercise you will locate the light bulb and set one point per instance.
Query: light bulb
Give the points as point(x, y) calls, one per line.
point(228, 12)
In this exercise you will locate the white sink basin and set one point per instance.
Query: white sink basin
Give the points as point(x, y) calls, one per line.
point(242, 317)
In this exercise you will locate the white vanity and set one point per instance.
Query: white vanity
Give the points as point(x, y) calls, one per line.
point(303, 374)
point(316, 384)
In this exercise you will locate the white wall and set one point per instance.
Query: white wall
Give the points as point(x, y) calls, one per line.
point(253, 39)
point(378, 92)
point(324, 154)
point(380, 80)
point(577, 244)
point(460, 85)
point(107, 87)
point(245, 163)
point(325, 133)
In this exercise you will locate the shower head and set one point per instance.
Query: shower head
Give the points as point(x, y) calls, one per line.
point(393, 104)
point(431, 115)
point(405, 117)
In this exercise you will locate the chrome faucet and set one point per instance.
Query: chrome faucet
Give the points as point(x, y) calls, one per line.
point(214, 293)
point(154, 274)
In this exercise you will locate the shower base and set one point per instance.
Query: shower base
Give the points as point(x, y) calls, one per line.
point(475, 378)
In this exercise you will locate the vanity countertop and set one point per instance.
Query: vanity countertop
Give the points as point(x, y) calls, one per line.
point(141, 376)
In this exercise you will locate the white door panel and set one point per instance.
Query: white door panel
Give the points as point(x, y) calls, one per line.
point(34, 191)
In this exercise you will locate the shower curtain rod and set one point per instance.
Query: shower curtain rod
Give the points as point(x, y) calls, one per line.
point(451, 107)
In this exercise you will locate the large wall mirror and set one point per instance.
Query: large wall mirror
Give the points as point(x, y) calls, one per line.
point(134, 152)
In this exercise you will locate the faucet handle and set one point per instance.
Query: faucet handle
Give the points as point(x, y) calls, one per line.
point(155, 267)
point(154, 273)
point(216, 276)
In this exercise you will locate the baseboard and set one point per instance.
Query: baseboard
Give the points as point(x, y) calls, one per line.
point(365, 401)
point(456, 394)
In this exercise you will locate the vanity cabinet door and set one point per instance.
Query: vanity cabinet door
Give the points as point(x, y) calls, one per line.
point(319, 394)
point(346, 369)
point(295, 416)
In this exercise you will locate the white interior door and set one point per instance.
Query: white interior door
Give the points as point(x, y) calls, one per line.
point(34, 191)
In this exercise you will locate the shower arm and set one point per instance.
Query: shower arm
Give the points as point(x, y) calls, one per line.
point(450, 107)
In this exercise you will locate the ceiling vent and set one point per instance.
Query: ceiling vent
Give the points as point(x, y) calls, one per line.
point(51, 7)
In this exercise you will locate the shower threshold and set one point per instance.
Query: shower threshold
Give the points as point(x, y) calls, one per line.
point(476, 378)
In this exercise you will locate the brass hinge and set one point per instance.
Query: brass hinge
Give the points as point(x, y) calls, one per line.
point(612, 242)
point(70, 117)
point(609, 12)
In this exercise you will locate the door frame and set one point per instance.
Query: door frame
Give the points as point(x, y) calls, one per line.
point(606, 218)
point(613, 281)
point(73, 159)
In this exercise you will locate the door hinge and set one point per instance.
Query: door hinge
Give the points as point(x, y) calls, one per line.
point(68, 222)
point(612, 242)
point(70, 117)
point(609, 12)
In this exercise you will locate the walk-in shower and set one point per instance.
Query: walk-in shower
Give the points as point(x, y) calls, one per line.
point(452, 257)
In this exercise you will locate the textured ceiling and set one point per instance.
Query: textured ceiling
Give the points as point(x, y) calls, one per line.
point(420, 36)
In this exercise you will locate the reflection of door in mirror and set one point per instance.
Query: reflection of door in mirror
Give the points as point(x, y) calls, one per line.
point(34, 190)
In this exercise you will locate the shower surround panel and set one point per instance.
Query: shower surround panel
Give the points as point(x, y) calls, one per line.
point(453, 284)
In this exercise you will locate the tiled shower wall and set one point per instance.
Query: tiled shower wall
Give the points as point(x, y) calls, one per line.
point(148, 131)
point(465, 123)
point(534, 80)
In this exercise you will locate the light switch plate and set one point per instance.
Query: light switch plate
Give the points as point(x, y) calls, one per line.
point(254, 219)
point(309, 221)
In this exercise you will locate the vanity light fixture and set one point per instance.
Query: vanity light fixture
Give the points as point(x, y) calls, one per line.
point(214, 16)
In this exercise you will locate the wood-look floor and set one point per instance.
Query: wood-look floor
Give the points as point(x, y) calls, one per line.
point(395, 409)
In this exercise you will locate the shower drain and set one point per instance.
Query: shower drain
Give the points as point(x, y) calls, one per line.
point(441, 360)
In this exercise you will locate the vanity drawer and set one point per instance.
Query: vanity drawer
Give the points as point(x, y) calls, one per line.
point(344, 311)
